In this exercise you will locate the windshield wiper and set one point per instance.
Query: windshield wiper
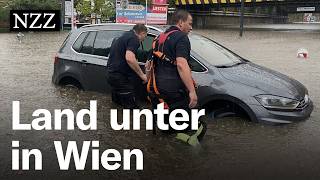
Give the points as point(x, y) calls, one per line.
point(232, 65)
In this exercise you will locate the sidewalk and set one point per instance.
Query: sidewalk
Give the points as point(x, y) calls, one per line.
point(274, 27)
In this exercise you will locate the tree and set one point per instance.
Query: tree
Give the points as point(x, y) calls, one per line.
point(105, 8)
point(108, 10)
point(83, 7)
point(35, 4)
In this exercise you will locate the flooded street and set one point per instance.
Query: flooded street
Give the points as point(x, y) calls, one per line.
point(233, 148)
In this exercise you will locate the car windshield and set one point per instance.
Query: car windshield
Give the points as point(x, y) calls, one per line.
point(212, 52)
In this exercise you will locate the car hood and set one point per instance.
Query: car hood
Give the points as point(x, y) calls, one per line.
point(267, 80)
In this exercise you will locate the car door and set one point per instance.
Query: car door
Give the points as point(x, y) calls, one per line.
point(101, 49)
point(204, 78)
point(94, 56)
point(198, 71)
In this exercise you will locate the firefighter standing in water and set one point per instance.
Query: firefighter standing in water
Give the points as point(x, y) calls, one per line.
point(123, 67)
point(170, 79)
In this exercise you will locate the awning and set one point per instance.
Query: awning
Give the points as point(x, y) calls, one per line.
point(190, 2)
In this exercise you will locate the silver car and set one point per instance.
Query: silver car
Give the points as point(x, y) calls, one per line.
point(228, 85)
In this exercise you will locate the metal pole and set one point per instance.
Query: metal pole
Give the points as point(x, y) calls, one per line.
point(62, 14)
point(241, 17)
point(116, 11)
point(72, 14)
point(146, 11)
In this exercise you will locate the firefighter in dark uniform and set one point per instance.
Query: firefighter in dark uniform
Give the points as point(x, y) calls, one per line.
point(173, 83)
point(123, 68)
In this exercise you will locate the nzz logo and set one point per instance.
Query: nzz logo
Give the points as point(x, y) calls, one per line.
point(34, 20)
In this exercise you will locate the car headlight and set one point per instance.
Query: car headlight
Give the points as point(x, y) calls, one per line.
point(306, 98)
point(277, 102)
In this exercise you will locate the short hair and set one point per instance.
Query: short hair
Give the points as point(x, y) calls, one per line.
point(180, 15)
point(139, 28)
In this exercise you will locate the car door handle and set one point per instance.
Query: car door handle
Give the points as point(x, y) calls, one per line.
point(84, 63)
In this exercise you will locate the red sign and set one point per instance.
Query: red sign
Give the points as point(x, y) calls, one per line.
point(157, 14)
point(159, 1)
point(159, 9)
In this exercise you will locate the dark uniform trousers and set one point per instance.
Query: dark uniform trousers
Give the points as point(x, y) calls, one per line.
point(174, 100)
point(122, 89)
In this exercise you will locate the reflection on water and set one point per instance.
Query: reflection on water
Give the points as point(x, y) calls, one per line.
point(232, 149)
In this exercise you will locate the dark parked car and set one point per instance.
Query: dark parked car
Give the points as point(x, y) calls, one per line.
point(227, 84)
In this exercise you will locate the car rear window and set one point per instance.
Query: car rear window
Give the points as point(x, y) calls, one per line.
point(77, 45)
point(64, 43)
point(87, 47)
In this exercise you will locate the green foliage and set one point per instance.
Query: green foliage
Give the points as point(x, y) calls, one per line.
point(98, 4)
point(83, 7)
point(4, 14)
point(108, 10)
point(35, 4)
point(105, 8)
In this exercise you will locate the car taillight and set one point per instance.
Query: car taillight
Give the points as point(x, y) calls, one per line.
point(56, 59)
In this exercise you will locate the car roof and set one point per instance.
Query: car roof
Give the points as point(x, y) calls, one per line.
point(121, 26)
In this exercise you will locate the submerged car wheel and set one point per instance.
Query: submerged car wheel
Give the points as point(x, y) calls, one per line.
point(222, 108)
point(224, 112)
point(71, 83)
